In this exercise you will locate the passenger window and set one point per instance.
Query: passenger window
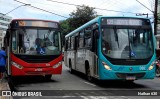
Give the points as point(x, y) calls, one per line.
point(72, 42)
point(87, 37)
point(66, 44)
point(81, 39)
point(69, 43)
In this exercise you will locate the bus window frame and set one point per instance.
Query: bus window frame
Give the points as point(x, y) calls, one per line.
point(72, 42)
point(69, 44)
point(81, 38)
point(66, 44)
point(86, 31)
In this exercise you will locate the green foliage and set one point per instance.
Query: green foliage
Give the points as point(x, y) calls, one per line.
point(65, 28)
point(82, 15)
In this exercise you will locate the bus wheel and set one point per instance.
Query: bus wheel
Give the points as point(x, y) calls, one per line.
point(48, 76)
point(70, 67)
point(89, 77)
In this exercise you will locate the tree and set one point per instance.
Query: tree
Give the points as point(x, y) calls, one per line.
point(65, 28)
point(82, 15)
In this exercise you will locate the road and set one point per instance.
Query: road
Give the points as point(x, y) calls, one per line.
point(80, 88)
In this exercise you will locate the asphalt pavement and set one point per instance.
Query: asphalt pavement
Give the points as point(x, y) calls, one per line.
point(75, 86)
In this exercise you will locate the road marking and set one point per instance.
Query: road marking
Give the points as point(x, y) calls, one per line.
point(88, 83)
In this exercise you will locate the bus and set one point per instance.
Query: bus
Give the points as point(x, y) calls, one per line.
point(33, 47)
point(112, 48)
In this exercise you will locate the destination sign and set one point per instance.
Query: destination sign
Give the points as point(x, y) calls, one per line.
point(38, 23)
point(132, 22)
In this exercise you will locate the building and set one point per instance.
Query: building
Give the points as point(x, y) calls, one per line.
point(4, 21)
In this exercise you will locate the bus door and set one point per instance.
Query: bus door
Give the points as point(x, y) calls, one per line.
point(65, 52)
point(80, 53)
point(7, 49)
point(95, 37)
point(73, 52)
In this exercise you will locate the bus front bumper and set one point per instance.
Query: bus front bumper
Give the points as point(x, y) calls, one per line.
point(115, 75)
point(35, 71)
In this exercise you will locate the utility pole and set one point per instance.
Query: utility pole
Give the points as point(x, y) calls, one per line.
point(155, 17)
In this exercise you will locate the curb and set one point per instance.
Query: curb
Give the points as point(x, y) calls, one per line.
point(4, 86)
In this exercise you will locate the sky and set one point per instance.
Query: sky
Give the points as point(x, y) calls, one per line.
point(64, 9)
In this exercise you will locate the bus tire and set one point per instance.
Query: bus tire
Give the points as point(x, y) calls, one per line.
point(70, 67)
point(88, 73)
point(48, 76)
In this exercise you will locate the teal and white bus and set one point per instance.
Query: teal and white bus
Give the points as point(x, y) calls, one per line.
point(112, 48)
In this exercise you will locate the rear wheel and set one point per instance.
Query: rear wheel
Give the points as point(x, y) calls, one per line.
point(70, 67)
point(88, 74)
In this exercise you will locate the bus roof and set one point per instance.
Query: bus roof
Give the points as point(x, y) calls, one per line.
point(33, 20)
point(97, 20)
point(83, 26)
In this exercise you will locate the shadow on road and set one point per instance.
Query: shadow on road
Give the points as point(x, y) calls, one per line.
point(120, 84)
point(15, 82)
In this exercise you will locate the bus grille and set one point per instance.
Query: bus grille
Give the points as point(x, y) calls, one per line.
point(123, 75)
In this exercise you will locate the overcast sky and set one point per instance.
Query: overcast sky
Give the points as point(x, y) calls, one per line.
point(65, 10)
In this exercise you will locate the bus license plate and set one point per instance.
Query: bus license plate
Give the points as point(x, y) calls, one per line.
point(130, 78)
point(38, 69)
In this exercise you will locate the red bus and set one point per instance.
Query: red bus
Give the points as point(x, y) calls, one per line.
point(33, 47)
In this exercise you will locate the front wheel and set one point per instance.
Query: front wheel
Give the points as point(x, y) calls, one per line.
point(88, 74)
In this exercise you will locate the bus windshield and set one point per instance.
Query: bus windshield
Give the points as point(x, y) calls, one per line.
point(36, 42)
point(130, 43)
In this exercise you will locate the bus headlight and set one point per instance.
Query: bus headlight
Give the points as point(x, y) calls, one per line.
point(151, 66)
point(17, 65)
point(57, 65)
point(106, 66)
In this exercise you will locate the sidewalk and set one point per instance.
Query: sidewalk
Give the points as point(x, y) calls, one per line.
point(4, 86)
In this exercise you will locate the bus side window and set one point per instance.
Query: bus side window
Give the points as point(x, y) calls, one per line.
point(69, 43)
point(72, 42)
point(81, 39)
point(76, 43)
point(87, 37)
point(66, 44)
point(95, 37)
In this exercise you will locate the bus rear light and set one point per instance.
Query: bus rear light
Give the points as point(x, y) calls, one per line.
point(57, 65)
point(106, 66)
point(17, 65)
